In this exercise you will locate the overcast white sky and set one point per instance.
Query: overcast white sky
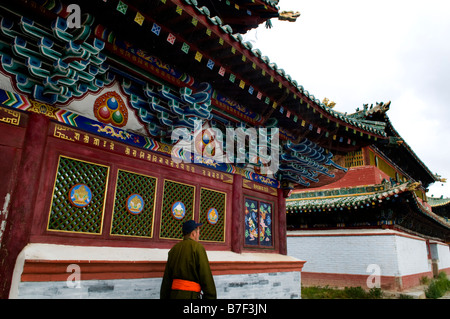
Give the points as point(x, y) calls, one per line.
point(358, 52)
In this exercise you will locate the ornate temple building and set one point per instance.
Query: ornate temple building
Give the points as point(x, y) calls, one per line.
point(119, 120)
point(376, 221)
point(440, 206)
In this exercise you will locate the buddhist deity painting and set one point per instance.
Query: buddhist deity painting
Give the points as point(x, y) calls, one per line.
point(213, 216)
point(80, 195)
point(178, 210)
point(258, 223)
point(135, 204)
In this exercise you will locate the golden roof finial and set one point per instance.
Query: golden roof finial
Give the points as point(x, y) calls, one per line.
point(328, 103)
point(290, 16)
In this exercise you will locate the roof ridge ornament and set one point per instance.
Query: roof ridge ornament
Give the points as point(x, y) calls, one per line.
point(289, 16)
point(328, 103)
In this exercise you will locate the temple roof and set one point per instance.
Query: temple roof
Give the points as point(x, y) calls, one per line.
point(248, 78)
point(436, 202)
point(169, 54)
point(241, 15)
point(396, 148)
point(354, 197)
point(358, 199)
point(441, 206)
point(211, 51)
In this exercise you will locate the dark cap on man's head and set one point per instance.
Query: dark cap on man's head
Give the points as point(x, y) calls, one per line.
point(189, 226)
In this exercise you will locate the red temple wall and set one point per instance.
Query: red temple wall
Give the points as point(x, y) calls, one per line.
point(234, 188)
point(358, 176)
point(30, 157)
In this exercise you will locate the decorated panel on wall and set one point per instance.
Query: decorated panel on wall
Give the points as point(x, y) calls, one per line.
point(212, 215)
point(134, 205)
point(177, 207)
point(265, 224)
point(251, 222)
point(78, 201)
point(258, 223)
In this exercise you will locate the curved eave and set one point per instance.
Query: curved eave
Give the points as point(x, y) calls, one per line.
point(345, 201)
point(365, 200)
point(261, 75)
point(406, 149)
point(324, 180)
point(258, 84)
point(241, 15)
point(253, 73)
point(438, 202)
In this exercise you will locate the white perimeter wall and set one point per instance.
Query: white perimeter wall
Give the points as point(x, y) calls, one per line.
point(266, 285)
point(352, 251)
point(443, 256)
point(280, 285)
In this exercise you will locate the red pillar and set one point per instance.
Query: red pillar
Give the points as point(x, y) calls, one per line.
point(282, 237)
point(20, 217)
point(237, 219)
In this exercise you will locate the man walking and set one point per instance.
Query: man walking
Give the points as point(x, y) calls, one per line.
point(187, 270)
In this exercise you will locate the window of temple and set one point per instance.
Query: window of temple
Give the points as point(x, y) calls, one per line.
point(354, 159)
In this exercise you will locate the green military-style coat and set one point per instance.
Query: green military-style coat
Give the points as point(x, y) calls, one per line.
point(187, 260)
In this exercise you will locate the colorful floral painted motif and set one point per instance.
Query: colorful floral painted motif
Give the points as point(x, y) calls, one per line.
point(251, 222)
point(258, 223)
point(265, 224)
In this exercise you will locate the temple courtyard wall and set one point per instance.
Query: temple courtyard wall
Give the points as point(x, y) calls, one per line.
point(384, 258)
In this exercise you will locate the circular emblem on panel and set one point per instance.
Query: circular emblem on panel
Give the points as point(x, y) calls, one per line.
point(178, 210)
point(212, 216)
point(109, 108)
point(206, 144)
point(80, 195)
point(135, 204)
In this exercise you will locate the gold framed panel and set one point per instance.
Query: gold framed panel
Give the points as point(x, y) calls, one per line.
point(213, 232)
point(123, 217)
point(78, 198)
point(178, 205)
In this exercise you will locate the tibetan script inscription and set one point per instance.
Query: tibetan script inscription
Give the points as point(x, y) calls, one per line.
point(72, 135)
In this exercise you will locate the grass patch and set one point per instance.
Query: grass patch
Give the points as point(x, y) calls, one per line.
point(438, 286)
point(335, 293)
point(425, 281)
